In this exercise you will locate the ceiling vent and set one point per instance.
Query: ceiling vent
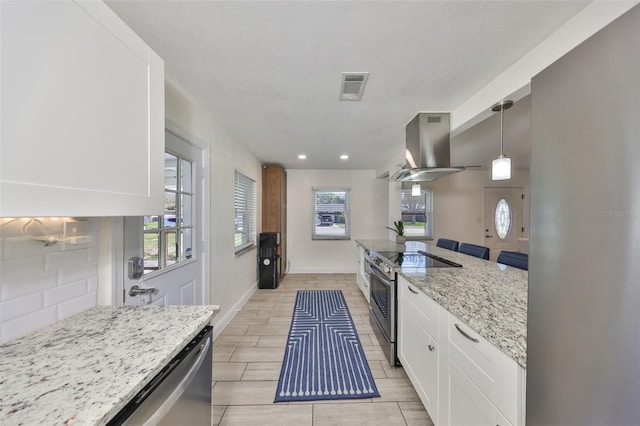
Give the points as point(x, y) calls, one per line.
point(352, 85)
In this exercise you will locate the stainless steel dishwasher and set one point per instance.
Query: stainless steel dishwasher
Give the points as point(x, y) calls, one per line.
point(180, 394)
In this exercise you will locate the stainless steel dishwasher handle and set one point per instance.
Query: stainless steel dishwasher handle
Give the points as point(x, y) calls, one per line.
point(464, 333)
point(164, 408)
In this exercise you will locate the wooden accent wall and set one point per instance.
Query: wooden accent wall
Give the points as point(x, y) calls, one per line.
point(274, 207)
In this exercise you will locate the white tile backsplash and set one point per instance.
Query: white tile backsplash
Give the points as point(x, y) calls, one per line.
point(27, 284)
point(20, 248)
point(62, 293)
point(55, 261)
point(78, 272)
point(21, 306)
point(40, 285)
point(79, 304)
point(26, 324)
point(16, 269)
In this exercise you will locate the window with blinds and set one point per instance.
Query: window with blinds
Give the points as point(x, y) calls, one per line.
point(417, 213)
point(245, 209)
point(330, 219)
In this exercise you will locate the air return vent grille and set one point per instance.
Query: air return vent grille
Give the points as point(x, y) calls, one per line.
point(352, 85)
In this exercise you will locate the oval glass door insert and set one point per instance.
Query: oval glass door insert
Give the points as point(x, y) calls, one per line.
point(503, 218)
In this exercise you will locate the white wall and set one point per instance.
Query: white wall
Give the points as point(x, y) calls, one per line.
point(369, 212)
point(233, 278)
point(40, 285)
point(458, 203)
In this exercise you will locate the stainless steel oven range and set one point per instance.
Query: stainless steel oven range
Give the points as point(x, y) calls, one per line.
point(383, 292)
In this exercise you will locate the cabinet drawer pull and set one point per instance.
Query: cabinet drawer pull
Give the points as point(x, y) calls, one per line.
point(464, 333)
point(431, 348)
point(412, 290)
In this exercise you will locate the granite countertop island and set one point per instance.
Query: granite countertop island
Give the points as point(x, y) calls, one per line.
point(84, 369)
point(489, 297)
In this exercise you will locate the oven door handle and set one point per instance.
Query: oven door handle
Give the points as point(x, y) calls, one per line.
point(383, 278)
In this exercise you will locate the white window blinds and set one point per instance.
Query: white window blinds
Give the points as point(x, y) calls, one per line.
point(245, 208)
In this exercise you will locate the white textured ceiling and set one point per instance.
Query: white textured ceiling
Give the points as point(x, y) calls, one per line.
point(270, 70)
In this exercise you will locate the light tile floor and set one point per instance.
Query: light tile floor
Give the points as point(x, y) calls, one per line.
point(248, 355)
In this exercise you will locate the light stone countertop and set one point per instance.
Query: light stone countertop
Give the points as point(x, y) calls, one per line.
point(488, 297)
point(85, 368)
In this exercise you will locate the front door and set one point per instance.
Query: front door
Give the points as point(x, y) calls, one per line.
point(163, 263)
point(503, 219)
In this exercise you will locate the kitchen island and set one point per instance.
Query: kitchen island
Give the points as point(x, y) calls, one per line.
point(489, 297)
point(461, 334)
point(85, 368)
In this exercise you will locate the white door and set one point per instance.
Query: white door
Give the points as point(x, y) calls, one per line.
point(163, 253)
point(503, 219)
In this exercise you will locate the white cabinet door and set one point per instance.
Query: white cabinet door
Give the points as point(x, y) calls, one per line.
point(82, 113)
point(465, 404)
point(361, 275)
point(426, 309)
point(499, 377)
point(419, 353)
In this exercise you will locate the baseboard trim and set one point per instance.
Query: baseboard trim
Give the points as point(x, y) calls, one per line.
point(323, 270)
point(222, 321)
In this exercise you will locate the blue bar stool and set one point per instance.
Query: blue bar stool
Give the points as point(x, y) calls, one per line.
point(474, 250)
point(448, 244)
point(515, 259)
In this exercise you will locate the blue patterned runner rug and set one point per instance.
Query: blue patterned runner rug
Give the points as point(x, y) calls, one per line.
point(323, 358)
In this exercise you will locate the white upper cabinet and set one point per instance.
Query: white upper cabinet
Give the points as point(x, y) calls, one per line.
point(82, 113)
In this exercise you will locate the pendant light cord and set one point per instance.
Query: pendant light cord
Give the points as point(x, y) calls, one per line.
point(501, 130)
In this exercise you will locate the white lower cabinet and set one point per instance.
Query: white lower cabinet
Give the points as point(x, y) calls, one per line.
point(495, 374)
point(461, 378)
point(464, 404)
point(361, 275)
point(419, 354)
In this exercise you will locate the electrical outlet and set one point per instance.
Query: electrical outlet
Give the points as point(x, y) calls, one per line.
point(75, 228)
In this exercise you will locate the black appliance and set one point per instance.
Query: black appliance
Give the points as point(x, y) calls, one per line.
point(383, 294)
point(269, 260)
point(417, 259)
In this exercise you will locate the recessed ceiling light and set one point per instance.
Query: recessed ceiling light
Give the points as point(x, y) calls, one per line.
point(344, 157)
point(302, 157)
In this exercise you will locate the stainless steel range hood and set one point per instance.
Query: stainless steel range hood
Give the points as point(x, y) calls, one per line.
point(427, 149)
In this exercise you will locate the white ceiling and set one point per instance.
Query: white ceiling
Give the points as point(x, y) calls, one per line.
point(270, 70)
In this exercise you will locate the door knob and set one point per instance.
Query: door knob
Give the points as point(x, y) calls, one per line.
point(136, 290)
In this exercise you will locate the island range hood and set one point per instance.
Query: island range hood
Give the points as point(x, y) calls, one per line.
point(427, 149)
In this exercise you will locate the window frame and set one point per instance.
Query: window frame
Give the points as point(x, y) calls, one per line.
point(163, 231)
point(241, 180)
point(427, 211)
point(315, 212)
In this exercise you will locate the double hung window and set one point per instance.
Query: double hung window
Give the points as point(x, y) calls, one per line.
point(417, 213)
point(331, 219)
point(245, 212)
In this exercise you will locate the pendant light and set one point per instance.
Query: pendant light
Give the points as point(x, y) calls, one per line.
point(501, 166)
point(415, 190)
